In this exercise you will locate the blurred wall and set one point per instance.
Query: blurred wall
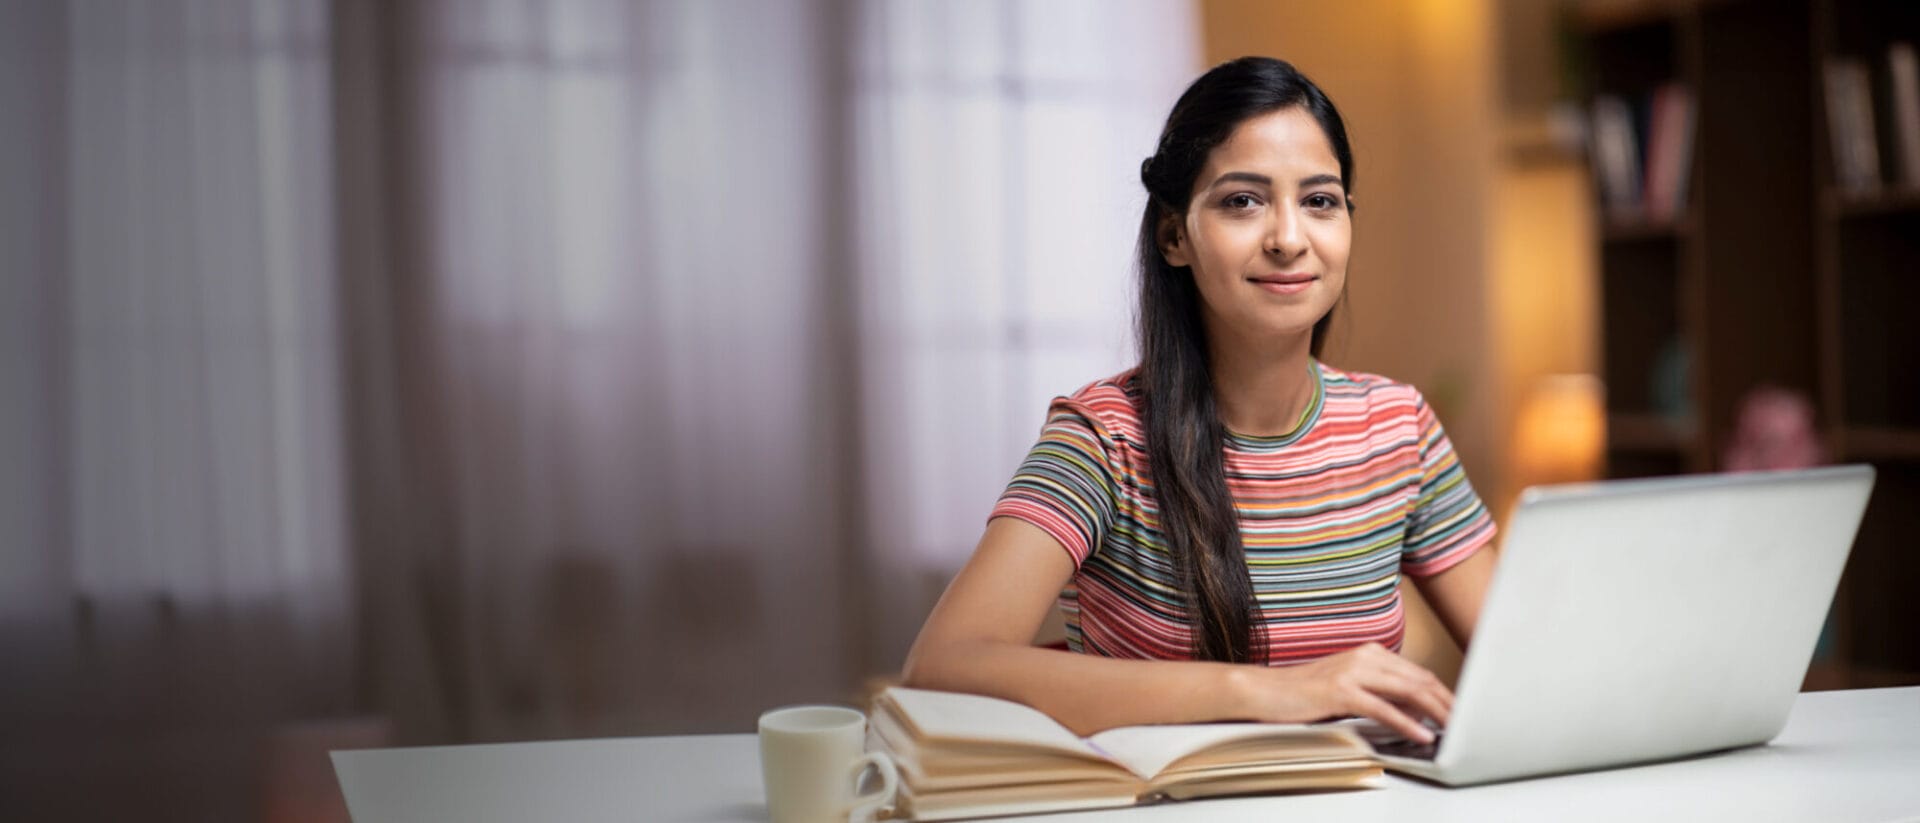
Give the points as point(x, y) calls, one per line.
point(1544, 291)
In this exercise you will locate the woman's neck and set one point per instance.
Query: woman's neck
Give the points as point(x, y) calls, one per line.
point(1262, 390)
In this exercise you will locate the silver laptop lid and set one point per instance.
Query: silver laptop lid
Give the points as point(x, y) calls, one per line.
point(1644, 619)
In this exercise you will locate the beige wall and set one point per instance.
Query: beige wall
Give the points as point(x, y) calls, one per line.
point(1544, 294)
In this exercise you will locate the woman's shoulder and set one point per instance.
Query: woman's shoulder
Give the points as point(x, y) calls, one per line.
point(1123, 386)
point(1375, 393)
point(1112, 404)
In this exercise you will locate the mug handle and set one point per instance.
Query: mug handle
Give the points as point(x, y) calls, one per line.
point(866, 805)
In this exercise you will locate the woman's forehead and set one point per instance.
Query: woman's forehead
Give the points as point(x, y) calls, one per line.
point(1287, 144)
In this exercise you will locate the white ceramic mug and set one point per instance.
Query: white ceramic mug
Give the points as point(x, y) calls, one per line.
point(812, 759)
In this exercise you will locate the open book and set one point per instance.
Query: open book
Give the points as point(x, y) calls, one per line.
point(963, 755)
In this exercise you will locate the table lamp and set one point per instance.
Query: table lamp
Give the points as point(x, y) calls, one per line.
point(1560, 433)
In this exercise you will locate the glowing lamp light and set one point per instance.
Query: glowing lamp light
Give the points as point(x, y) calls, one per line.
point(1561, 432)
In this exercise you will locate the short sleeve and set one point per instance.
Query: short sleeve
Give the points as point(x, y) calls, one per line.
point(1066, 485)
point(1449, 523)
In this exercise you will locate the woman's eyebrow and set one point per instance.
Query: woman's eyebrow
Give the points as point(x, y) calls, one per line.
point(1242, 177)
point(1263, 180)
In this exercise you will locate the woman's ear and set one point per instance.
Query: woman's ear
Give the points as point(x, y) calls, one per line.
point(1172, 241)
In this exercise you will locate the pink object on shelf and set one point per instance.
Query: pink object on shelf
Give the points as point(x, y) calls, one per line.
point(1774, 430)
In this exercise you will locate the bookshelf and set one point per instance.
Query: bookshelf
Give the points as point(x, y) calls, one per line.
point(1868, 266)
point(1769, 272)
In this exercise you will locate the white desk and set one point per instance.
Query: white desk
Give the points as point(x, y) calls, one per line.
point(1844, 756)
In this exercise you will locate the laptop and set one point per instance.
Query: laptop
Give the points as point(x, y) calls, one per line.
point(1642, 620)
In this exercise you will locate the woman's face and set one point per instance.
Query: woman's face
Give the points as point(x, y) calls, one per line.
point(1266, 231)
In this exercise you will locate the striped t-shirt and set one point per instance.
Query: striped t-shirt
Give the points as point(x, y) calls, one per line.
point(1365, 487)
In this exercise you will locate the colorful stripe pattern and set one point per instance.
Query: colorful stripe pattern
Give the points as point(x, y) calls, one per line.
point(1366, 487)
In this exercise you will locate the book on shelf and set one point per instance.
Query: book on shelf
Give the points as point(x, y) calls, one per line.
point(1616, 156)
point(963, 755)
point(1903, 86)
point(1643, 152)
point(1856, 155)
point(1669, 151)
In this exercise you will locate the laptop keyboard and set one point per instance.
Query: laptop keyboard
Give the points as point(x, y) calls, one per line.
point(1389, 742)
point(1402, 747)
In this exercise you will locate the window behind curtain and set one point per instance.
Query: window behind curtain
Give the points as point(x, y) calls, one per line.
point(999, 145)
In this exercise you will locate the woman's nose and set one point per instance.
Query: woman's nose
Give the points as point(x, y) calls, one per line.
point(1286, 238)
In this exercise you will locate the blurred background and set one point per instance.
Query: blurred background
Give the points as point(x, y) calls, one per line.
point(405, 372)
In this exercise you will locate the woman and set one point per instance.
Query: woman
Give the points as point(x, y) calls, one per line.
point(1225, 524)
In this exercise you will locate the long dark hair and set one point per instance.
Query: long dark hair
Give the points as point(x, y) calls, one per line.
point(1185, 436)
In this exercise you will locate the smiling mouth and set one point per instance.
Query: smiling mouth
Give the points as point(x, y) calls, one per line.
point(1283, 285)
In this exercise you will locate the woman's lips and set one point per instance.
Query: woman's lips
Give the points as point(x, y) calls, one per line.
point(1289, 285)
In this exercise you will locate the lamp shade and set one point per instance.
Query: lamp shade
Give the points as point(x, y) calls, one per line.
point(1561, 430)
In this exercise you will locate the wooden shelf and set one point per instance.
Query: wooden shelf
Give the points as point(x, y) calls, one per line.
point(1641, 229)
point(1646, 433)
point(1827, 675)
point(1879, 443)
point(1532, 141)
point(1891, 200)
point(1599, 16)
point(1773, 276)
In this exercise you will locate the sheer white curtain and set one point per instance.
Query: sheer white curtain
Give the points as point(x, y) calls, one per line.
point(623, 366)
point(185, 421)
point(742, 313)
point(206, 438)
point(172, 554)
point(999, 194)
point(172, 393)
point(625, 237)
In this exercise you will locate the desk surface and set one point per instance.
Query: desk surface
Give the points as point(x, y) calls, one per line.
point(1844, 756)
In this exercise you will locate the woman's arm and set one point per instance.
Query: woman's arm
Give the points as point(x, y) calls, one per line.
point(978, 640)
point(1458, 593)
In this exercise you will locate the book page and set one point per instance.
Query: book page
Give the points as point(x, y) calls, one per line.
point(948, 716)
point(1351, 775)
point(1038, 799)
point(939, 767)
point(1148, 750)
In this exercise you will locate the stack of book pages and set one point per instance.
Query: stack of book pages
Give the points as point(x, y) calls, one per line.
point(965, 755)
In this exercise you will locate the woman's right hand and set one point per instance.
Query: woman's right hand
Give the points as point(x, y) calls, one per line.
point(1369, 681)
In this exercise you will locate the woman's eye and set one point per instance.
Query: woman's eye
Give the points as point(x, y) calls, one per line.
point(1240, 201)
point(1323, 201)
